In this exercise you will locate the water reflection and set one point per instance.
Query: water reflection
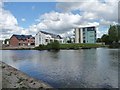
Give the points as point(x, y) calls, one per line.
point(68, 68)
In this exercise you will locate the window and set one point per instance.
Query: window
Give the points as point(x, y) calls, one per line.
point(46, 40)
point(51, 40)
point(83, 41)
point(91, 36)
point(91, 28)
point(83, 29)
point(83, 33)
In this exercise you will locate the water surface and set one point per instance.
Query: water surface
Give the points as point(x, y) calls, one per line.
point(88, 68)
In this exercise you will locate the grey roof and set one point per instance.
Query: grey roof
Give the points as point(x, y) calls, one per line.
point(22, 37)
point(53, 35)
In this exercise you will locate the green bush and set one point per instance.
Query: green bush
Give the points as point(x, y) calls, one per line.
point(56, 46)
point(53, 45)
point(50, 46)
point(40, 47)
point(114, 45)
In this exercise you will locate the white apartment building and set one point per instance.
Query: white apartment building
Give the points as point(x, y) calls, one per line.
point(43, 38)
point(85, 34)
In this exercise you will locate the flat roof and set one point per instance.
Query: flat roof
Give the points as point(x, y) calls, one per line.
point(85, 26)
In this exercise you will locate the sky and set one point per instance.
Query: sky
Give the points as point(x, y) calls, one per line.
point(58, 17)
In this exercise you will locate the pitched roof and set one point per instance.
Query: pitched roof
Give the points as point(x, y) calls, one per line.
point(22, 37)
point(53, 35)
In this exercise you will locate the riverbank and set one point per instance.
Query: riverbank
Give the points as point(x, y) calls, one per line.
point(71, 46)
point(17, 48)
point(80, 46)
point(13, 78)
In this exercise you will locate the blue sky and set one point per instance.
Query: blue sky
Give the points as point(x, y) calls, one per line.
point(56, 17)
point(29, 11)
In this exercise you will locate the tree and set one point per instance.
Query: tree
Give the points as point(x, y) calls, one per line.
point(98, 40)
point(56, 45)
point(118, 33)
point(53, 45)
point(41, 47)
point(113, 34)
point(105, 38)
point(113, 37)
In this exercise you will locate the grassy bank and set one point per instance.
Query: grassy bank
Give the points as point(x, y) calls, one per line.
point(71, 46)
point(16, 48)
point(80, 46)
point(58, 46)
point(114, 45)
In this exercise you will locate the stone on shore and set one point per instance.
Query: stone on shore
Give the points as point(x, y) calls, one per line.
point(13, 78)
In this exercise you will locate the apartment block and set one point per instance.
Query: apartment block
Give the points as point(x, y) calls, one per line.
point(43, 38)
point(85, 34)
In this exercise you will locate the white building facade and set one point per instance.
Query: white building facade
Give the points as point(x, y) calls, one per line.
point(85, 34)
point(43, 38)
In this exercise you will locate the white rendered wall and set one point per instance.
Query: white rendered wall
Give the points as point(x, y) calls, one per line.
point(81, 36)
point(37, 39)
point(40, 38)
point(77, 35)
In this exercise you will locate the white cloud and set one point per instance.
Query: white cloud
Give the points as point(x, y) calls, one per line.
point(1, 4)
point(93, 12)
point(89, 13)
point(73, 0)
point(93, 9)
point(8, 24)
point(101, 32)
point(90, 16)
point(68, 33)
point(58, 22)
point(7, 19)
point(23, 19)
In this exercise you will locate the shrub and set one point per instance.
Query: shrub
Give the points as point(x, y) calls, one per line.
point(53, 45)
point(41, 47)
point(50, 46)
point(114, 45)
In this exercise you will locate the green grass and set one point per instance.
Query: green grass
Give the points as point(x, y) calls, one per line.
point(78, 46)
point(17, 49)
point(72, 46)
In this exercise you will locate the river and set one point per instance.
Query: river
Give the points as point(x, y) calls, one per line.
point(85, 68)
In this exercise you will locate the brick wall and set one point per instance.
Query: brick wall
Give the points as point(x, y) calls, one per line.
point(14, 41)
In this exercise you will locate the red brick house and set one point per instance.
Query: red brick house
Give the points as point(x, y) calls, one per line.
point(22, 40)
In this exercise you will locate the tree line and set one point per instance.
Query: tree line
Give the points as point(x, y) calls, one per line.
point(113, 36)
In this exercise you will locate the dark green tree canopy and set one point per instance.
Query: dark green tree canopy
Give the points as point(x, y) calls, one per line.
point(113, 34)
point(118, 28)
point(98, 40)
point(105, 38)
point(53, 45)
